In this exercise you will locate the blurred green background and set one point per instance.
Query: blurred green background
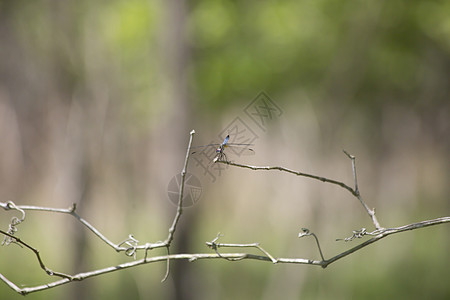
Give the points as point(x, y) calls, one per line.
point(97, 100)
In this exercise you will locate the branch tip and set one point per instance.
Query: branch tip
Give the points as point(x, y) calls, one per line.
point(73, 207)
point(352, 157)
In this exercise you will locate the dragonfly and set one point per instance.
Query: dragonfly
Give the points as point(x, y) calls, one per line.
point(239, 149)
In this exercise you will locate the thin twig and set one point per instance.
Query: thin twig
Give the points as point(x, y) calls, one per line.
point(306, 232)
point(38, 256)
point(215, 246)
point(167, 266)
point(268, 168)
point(353, 158)
point(371, 212)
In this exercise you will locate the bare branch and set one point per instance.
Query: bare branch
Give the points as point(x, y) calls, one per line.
point(232, 256)
point(268, 168)
point(130, 246)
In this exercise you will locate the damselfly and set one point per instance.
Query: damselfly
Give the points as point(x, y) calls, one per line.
point(236, 148)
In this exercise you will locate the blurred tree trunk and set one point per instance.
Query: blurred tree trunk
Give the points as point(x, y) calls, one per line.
point(175, 133)
point(79, 151)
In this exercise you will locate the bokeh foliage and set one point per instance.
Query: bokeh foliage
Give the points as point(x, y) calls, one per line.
point(93, 96)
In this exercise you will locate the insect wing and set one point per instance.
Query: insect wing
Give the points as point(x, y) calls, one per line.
point(240, 149)
point(204, 148)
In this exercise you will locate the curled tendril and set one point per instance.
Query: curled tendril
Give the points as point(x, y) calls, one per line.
point(12, 227)
point(357, 234)
point(131, 242)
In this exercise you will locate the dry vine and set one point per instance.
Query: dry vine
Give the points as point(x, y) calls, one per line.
point(130, 246)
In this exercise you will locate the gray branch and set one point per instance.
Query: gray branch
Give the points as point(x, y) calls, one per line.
point(229, 256)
